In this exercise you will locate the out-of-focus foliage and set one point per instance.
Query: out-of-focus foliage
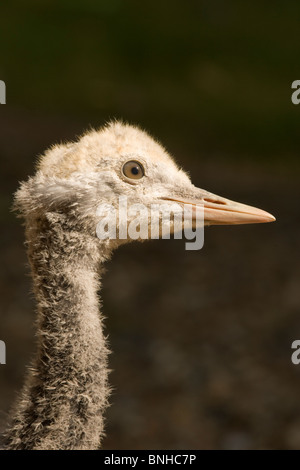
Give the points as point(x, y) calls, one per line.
point(217, 73)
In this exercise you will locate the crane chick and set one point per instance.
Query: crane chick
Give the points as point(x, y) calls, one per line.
point(66, 390)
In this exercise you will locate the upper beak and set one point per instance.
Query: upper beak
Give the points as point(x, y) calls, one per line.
point(221, 211)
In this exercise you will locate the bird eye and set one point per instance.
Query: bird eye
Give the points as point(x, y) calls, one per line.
point(133, 170)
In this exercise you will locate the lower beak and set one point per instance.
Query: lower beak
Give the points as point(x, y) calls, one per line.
point(221, 211)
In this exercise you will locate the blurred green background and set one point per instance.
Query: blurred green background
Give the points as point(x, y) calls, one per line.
point(201, 341)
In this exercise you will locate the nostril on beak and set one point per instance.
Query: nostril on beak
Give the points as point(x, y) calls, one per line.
point(214, 201)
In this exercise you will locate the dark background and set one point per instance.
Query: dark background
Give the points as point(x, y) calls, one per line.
point(201, 340)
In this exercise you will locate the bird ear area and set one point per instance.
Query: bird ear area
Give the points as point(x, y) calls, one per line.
point(35, 197)
point(55, 218)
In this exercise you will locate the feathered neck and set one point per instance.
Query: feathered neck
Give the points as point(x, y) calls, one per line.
point(65, 394)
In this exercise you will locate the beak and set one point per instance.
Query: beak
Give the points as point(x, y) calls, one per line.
point(221, 211)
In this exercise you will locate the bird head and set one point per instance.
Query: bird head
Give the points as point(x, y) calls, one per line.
point(82, 178)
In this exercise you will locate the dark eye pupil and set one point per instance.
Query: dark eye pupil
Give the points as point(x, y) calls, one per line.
point(135, 170)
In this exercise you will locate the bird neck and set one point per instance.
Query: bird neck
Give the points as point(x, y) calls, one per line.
point(65, 394)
